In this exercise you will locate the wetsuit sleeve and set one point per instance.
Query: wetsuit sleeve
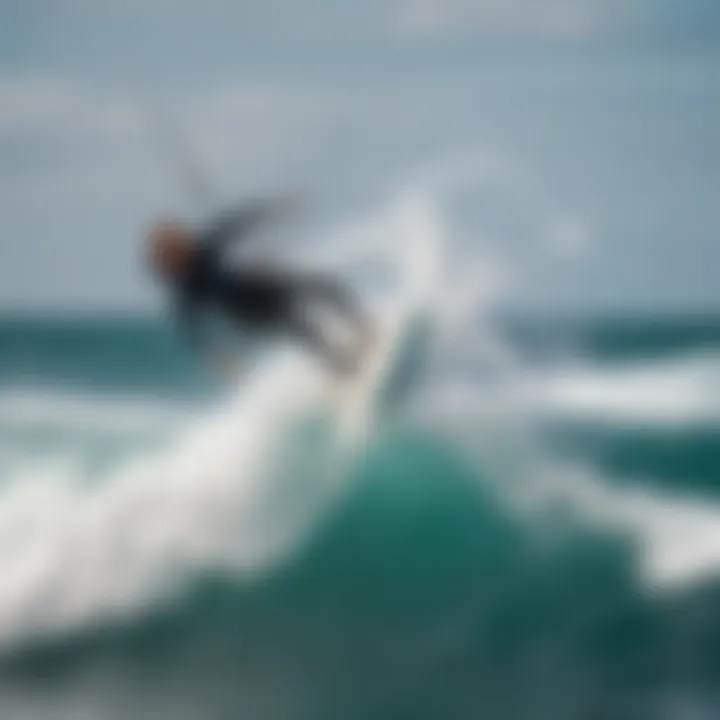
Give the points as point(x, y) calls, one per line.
point(237, 225)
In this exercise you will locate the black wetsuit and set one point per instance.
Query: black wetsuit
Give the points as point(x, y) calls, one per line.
point(260, 300)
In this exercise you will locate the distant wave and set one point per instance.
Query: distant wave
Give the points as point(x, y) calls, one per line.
point(87, 412)
point(680, 391)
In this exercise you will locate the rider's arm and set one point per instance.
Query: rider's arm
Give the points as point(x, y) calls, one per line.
point(238, 224)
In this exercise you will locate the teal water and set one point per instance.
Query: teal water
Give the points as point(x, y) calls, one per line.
point(432, 585)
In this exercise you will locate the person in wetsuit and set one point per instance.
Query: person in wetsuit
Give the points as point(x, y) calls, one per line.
point(260, 300)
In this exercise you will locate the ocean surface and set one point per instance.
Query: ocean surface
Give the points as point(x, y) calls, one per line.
point(169, 552)
point(520, 519)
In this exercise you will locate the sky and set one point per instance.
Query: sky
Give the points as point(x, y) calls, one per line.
point(604, 115)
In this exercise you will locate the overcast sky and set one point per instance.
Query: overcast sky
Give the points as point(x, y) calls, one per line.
point(611, 108)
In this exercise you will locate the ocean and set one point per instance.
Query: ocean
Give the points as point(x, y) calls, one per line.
point(522, 526)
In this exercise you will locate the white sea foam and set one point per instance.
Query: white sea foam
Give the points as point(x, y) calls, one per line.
point(70, 553)
point(229, 491)
point(672, 392)
point(678, 537)
point(30, 408)
point(480, 383)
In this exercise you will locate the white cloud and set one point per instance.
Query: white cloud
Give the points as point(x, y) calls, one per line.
point(56, 104)
point(253, 132)
point(546, 19)
point(27, 101)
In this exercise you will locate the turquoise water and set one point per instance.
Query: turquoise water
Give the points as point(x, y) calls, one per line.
point(562, 564)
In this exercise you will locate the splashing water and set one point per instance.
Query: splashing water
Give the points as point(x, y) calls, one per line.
point(74, 553)
point(236, 490)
